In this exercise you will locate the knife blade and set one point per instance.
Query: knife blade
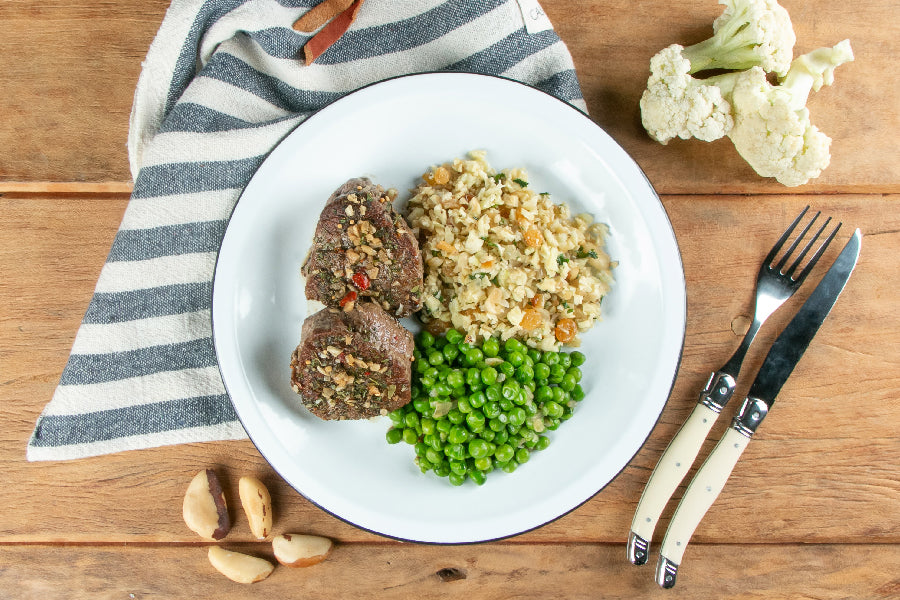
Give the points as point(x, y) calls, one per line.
point(778, 365)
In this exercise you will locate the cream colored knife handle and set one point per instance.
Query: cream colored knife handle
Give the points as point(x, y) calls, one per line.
point(699, 496)
point(673, 465)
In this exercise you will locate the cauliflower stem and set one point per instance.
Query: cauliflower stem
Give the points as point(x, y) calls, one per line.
point(749, 33)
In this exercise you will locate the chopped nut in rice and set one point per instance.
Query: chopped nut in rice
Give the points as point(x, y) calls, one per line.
point(495, 251)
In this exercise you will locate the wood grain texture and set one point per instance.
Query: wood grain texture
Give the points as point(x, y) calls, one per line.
point(73, 97)
point(823, 468)
point(520, 571)
point(811, 510)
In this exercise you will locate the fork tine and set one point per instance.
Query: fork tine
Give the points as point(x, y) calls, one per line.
point(774, 251)
point(806, 248)
point(796, 243)
point(815, 257)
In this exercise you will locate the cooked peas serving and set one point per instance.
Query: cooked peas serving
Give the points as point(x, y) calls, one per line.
point(478, 408)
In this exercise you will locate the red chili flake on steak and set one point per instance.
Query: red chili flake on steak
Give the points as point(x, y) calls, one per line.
point(361, 280)
point(362, 244)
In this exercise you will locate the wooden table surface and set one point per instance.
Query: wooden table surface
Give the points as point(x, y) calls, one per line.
point(812, 510)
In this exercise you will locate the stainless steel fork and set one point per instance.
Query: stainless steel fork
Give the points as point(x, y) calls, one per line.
point(774, 285)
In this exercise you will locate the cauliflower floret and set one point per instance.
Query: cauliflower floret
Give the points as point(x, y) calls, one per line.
point(748, 33)
point(677, 105)
point(772, 129)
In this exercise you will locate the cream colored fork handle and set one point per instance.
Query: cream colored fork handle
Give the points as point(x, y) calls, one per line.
point(699, 496)
point(673, 465)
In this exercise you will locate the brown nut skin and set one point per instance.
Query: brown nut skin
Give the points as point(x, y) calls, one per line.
point(297, 550)
point(238, 567)
point(204, 510)
point(257, 503)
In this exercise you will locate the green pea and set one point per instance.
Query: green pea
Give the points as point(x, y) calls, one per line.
point(553, 424)
point(443, 469)
point(478, 448)
point(504, 453)
point(475, 421)
point(421, 365)
point(458, 435)
point(525, 373)
point(478, 477)
point(557, 372)
point(553, 409)
point(560, 396)
point(491, 409)
point(501, 436)
point(565, 360)
point(439, 389)
point(510, 466)
point(507, 369)
point(517, 416)
point(440, 342)
point(450, 352)
point(410, 436)
point(435, 357)
point(455, 451)
point(443, 425)
point(489, 376)
point(453, 336)
point(513, 345)
point(515, 358)
point(550, 358)
point(506, 404)
point(474, 355)
point(493, 393)
point(577, 393)
point(490, 347)
point(428, 425)
point(456, 479)
point(455, 378)
point(464, 406)
point(433, 441)
point(496, 424)
point(473, 376)
point(394, 435)
point(488, 435)
point(458, 466)
point(543, 393)
point(510, 389)
point(522, 456)
point(425, 339)
point(577, 358)
point(568, 383)
point(484, 463)
point(433, 456)
point(543, 443)
point(397, 417)
point(534, 354)
point(412, 420)
point(574, 372)
point(455, 417)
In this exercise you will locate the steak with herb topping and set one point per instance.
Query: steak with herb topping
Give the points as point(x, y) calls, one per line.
point(352, 364)
point(363, 249)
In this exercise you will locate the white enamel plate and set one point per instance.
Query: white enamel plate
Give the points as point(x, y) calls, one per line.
point(393, 132)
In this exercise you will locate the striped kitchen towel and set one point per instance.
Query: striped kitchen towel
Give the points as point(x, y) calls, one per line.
point(223, 82)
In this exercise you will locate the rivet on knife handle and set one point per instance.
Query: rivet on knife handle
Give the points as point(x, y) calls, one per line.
point(674, 464)
point(700, 495)
point(778, 365)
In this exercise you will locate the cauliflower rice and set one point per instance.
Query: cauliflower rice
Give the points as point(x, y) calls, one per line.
point(502, 259)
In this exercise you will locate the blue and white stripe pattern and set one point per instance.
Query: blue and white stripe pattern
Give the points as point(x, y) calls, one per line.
point(223, 82)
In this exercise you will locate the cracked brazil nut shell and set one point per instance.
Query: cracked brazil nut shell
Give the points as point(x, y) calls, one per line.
point(204, 509)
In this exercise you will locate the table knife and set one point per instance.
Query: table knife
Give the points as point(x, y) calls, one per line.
point(777, 367)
